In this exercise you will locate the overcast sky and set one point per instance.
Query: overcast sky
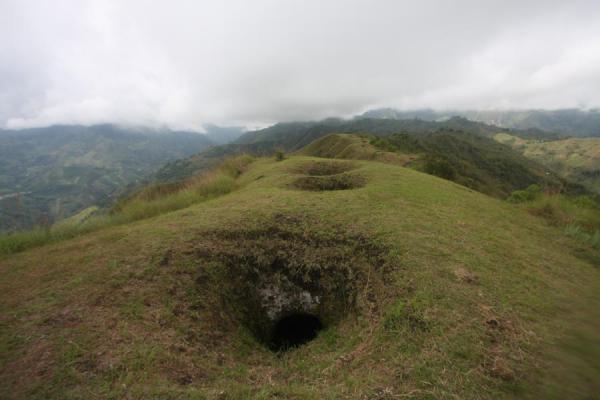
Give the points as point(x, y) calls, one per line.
point(242, 62)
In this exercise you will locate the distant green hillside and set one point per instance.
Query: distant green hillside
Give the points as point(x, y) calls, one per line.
point(531, 123)
point(576, 159)
point(566, 122)
point(456, 149)
point(51, 173)
point(294, 136)
point(393, 283)
point(474, 161)
point(353, 147)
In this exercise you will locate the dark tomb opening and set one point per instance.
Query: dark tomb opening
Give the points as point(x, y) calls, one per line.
point(294, 330)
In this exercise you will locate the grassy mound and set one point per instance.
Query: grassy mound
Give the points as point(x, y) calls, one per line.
point(425, 289)
point(353, 147)
point(326, 175)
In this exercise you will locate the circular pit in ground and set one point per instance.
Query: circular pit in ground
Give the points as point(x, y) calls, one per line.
point(331, 182)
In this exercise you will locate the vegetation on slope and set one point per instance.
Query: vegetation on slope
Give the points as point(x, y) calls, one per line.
point(295, 135)
point(182, 169)
point(540, 124)
point(147, 202)
point(567, 122)
point(353, 147)
point(471, 160)
point(575, 159)
point(429, 291)
point(578, 215)
point(47, 174)
point(291, 137)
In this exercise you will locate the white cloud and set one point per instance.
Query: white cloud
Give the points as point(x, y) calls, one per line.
point(185, 63)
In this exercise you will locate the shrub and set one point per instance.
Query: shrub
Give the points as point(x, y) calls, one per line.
point(521, 196)
point(575, 231)
point(279, 155)
point(439, 167)
point(585, 202)
point(551, 213)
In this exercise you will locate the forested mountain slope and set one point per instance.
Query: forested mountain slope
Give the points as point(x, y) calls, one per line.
point(552, 123)
point(577, 159)
point(50, 173)
point(456, 149)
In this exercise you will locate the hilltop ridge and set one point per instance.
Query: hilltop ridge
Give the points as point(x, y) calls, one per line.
point(421, 287)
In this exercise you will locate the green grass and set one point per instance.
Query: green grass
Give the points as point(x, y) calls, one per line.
point(80, 217)
point(567, 210)
point(458, 295)
point(579, 216)
point(353, 147)
point(469, 159)
point(147, 203)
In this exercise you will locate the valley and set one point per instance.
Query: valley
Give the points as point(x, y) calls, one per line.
point(59, 171)
point(577, 159)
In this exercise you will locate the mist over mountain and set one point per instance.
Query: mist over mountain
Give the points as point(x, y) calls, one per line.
point(566, 122)
point(222, 134)
point(234, 63)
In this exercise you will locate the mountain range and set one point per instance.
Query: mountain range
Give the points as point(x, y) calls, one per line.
point(48, 174)
point(564, 122)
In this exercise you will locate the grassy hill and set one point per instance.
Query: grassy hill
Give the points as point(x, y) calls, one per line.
point(423, 289)
point(354, 147)
point(471, 160)
point(295, 135)
point(578, 159)
point(456, 148)
point(47, 174)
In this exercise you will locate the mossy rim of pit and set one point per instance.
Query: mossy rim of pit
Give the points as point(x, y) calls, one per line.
point(265, 274)
point(324, 168)
point(344, 181)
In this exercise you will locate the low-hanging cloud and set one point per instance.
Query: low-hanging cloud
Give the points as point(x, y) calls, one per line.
point(237, 62)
